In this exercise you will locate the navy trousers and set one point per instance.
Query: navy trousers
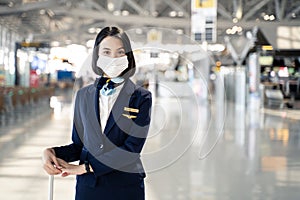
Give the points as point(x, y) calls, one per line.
point(109, 192)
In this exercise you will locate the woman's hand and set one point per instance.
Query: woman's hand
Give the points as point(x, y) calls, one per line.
point(70, 169)
point(50, 163)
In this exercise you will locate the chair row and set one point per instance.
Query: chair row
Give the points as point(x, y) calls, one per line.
point(15, 100)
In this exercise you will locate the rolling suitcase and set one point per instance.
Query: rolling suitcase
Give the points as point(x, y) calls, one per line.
point(50, 187)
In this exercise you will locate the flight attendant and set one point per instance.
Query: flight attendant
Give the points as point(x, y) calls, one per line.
point(110, 126)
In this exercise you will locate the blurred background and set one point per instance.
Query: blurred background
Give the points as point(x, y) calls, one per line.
point(224, 76)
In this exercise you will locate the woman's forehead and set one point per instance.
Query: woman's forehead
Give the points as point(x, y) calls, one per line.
point(111, 42)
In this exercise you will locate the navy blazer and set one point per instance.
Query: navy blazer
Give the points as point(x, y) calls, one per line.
point(114, 154)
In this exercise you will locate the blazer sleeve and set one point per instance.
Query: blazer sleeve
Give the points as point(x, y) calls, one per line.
point(72, 152)
point(129, 152)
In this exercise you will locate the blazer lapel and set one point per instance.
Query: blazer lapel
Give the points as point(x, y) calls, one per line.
point(92, 115)
point(121, 102)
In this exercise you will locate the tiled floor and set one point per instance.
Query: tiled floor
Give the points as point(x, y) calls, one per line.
point(196, 150)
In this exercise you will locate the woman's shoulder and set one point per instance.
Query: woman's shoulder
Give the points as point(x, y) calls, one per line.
point(142, 92)
point(85, 91)
point(87, 88)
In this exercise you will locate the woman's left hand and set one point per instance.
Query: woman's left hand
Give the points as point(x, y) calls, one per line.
point(71, 169)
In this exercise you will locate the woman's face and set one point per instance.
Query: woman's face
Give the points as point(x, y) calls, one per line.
point(112, 47)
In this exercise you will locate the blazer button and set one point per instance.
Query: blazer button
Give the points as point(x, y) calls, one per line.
point(101, 146)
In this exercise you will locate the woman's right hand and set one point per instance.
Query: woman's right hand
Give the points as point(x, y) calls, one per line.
point(50, 163)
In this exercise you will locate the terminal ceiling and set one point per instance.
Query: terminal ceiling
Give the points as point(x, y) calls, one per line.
point(77, 21)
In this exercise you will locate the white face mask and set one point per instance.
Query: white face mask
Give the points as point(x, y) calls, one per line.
point(112, 67)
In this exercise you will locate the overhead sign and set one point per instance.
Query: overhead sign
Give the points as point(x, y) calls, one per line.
point(205, 4)
point(35, 46)
point(204, 20)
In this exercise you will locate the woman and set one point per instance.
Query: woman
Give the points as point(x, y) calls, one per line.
point(110, 126)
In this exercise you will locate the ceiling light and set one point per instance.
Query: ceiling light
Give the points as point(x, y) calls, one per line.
point(179, 31)
point(42, 12)
point(249, 35)
point(239, 13)
point(146, 12)
point(125, 13)
point(110, 6)
point(117, 13)
point(92, 30)
point(239, 29)
point(266, 17)
point(173, 13)
point(68, 41)
point(90, 43)
point(138, 31)
point(10, 4)
point(54, 44)
point(228, 31)
point(216, 47)
point(272, 17)
point(235, 20)
point(180, 14)
point(155, 14)
point(235, 28)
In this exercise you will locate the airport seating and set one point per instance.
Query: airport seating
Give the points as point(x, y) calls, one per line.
point(16, 102)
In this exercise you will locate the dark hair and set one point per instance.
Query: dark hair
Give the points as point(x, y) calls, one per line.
point(120, 34)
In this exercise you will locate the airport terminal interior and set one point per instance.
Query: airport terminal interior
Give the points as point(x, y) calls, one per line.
point(225, 82)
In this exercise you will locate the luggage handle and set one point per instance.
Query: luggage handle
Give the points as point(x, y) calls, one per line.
point(50, 189)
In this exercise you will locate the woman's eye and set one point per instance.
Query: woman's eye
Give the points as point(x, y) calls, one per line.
point(121, 52)
point(105, 52)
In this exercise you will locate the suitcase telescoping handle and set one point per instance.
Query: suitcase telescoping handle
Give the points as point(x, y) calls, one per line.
point(51, 183)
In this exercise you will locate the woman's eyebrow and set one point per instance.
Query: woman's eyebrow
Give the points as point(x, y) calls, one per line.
point(106, 48)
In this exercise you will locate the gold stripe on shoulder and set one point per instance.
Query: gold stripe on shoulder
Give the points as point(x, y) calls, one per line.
point(129, 116)
point(131, 109)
